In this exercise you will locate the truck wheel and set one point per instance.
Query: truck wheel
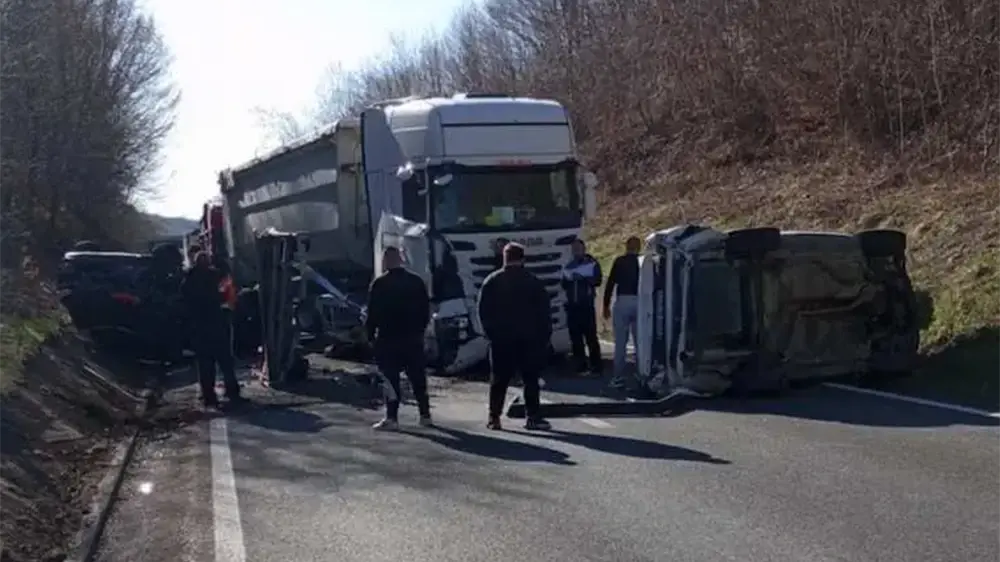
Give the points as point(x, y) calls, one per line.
point(752, 241)
point(882, 243)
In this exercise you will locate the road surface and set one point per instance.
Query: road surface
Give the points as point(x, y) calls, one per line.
point(820, 475)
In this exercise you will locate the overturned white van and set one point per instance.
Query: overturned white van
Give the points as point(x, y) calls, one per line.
point(758, 309)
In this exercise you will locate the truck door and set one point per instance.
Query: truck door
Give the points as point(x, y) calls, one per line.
point(381, 156)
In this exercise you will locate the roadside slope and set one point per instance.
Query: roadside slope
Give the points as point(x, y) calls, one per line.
point(60, 416)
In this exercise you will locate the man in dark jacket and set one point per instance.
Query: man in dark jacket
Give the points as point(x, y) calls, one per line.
point(210, 335)
point(399, 309)
point(498, 245)
point(514, 313)
point(580, 279)
point(623, 285)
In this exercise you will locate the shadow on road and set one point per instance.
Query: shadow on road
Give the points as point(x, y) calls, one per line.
point(629, 447)
point(848, 407)
point(816, 402)
point(492, 447)
point(285, 420)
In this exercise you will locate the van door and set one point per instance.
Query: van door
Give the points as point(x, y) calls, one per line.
point(381, 156)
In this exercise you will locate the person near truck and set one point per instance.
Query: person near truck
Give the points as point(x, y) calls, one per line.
point(580, 279)
point(204, 299)
point(498, 245)
point(399, 310)
point(514, 312)
point(623, 286)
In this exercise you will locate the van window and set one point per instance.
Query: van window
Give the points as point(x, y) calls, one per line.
point(717, 299)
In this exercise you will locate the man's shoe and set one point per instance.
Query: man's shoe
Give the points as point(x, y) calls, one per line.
point(617, 382)
point(494, 423)
point(537, 424)
point(426, 421)
point(386, 425)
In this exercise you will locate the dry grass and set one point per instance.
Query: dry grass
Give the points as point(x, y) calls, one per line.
point(952, 220)
point(20, 339)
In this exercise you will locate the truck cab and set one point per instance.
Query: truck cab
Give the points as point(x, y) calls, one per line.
point(481, 168)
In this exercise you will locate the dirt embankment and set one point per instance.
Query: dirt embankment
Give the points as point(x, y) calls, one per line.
point(61, 420)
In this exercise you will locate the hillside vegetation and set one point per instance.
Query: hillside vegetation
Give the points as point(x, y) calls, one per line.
point(831, 114)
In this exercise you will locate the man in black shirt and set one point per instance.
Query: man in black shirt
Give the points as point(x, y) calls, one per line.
point(399, 309)
point(208, 331)
point(498, 245)
point(623, 284)
point(514, 312)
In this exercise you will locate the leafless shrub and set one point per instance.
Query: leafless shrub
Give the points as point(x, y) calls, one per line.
point(664, 85)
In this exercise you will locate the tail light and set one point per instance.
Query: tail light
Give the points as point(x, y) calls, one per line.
point(125, 298)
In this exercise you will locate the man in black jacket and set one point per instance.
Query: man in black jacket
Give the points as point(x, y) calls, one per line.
point(623, 285)
point(210, 335)
point(399, 309)
point(580, 279)
point(514, 313)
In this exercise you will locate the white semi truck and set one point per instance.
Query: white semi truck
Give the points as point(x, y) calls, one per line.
point(441, 178)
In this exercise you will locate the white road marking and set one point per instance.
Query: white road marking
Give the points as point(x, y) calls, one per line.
point(915, 400)
point(883, 394)
point(229, 546)
point(595, 422)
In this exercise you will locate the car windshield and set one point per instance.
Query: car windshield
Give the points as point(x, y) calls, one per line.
point(501, 199)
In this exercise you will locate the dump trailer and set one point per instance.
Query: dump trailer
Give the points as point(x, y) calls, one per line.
point(440, 178)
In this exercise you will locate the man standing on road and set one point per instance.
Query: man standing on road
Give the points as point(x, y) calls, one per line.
point(498, 245)
point(580, 279)
point(514, 313)
point(399, 309)
point(203, 297)
point(623, 285)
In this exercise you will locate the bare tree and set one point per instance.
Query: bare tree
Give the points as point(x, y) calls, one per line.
point(86, 103)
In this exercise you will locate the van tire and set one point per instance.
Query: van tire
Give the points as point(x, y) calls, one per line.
point(752, 241)
point(882, 243)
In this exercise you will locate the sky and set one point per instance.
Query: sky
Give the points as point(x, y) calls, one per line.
point(232, 56)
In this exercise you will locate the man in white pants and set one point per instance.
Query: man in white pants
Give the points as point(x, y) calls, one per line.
point(623, 285)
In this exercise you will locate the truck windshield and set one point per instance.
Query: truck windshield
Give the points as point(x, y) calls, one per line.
point(501, 199)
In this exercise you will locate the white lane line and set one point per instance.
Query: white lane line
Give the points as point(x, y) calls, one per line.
point(229, 545)
point(915, 400)
point(593, 422)
point(883, 394)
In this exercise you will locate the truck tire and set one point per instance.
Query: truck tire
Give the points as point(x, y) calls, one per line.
point(882, 243)
point(752, 241)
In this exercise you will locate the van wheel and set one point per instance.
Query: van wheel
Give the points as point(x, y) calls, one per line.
point(752, 241)
point(882, 243)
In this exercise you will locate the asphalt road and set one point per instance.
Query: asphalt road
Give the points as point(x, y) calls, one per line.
point(819, 475)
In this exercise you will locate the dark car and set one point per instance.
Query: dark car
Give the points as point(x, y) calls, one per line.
point(120, 300)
